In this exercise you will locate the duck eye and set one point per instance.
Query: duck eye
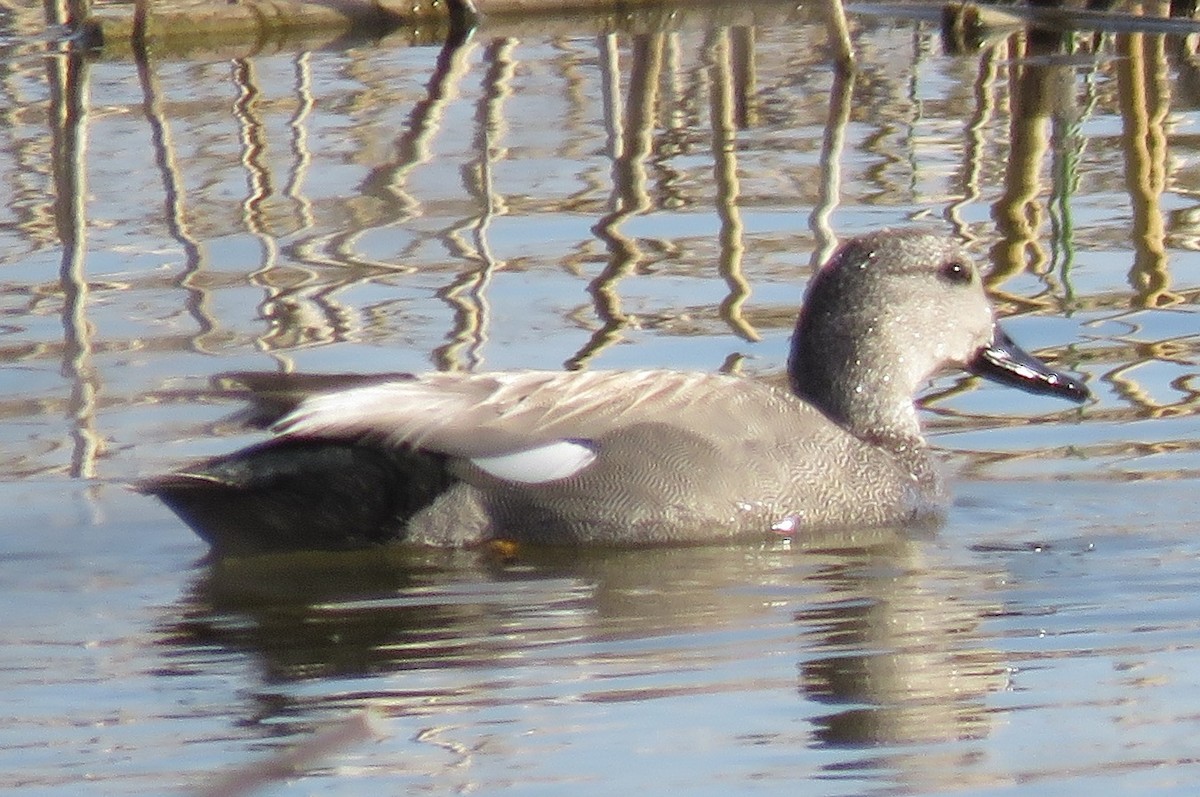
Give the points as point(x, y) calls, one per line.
point(955, 272)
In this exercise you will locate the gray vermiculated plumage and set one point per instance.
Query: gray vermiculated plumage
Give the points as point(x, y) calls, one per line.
point(650, 456)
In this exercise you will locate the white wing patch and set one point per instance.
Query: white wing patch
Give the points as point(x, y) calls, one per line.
point(557, 460)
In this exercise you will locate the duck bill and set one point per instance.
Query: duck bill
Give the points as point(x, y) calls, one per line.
point(1007, 363)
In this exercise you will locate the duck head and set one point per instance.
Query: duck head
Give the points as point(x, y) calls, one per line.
point(888, 311)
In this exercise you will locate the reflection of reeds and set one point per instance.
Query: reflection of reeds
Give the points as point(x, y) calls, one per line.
point(630, 138)
point(1144, 94)
point(729, 78)
point(467, 295)
point(1036, 92)
point(838, 30)
point(306, 311)
point(300, 303)
point(832, 144)
point(175, 211)
point(729, 109)
point(1044, 124)
point(974, 136)
point(69, 86)
point(387, 181)
point(662, 119)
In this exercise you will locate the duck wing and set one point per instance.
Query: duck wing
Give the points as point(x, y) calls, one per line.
point(476, 416)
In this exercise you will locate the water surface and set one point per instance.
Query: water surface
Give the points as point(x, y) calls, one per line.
point(584, 196)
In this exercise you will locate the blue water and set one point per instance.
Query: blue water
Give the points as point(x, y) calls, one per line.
point(351, 208)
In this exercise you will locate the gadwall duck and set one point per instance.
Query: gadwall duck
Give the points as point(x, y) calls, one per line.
point(627, 457)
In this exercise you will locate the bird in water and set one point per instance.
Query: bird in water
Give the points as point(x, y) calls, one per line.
point(626, 457)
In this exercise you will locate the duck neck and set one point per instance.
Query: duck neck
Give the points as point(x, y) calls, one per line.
point(866, 390)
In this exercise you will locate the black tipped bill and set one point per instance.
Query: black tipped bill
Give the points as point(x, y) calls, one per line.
point(1007, 363)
